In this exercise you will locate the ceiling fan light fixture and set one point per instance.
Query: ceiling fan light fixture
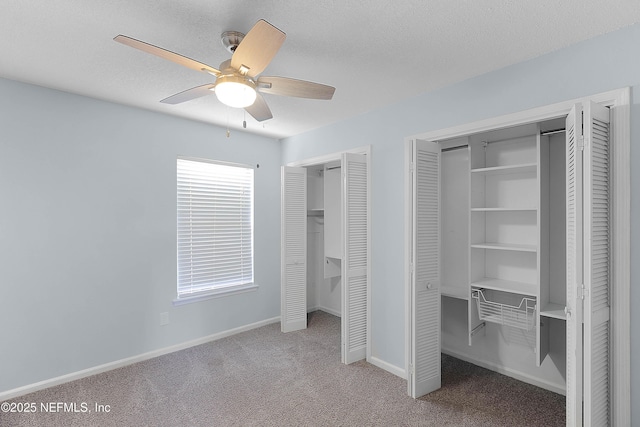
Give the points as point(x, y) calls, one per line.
point(235, 91)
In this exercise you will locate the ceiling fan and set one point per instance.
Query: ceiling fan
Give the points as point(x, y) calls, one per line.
point(237, 83)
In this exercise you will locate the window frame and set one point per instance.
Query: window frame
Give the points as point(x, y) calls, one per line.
point(214, 291)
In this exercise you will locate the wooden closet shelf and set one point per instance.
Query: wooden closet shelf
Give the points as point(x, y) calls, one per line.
point(508, 169)
point(506, 247)
point(505, 209)
point(553, 310)
point(455, 291)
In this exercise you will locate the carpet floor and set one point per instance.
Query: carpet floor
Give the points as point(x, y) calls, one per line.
point(263, 377)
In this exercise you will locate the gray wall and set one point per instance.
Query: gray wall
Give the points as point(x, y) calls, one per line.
point(607, 62)
point(88, 232)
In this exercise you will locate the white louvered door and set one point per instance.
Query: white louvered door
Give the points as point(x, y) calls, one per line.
point(596, 265)
point(293, 275)
point(355, 268)
point(588, 266)
point(424, 360)
point(574, 265)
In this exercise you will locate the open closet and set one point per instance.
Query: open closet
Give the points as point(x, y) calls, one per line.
point(324, 238)
point(503, 248)
point(325, 246)
point(509, 255)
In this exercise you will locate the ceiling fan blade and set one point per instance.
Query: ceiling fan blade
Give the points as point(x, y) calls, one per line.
point(189, 94)
point(259, 110)
point(257, 48)
point(166, 54)
point(292, 87)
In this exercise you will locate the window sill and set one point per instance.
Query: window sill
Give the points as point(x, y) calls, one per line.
point(217, 293)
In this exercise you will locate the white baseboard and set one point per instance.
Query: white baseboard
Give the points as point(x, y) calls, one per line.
point(402, 373)
point(20, 391)
point(373, 360)
point(518, 375)
point(325, 309)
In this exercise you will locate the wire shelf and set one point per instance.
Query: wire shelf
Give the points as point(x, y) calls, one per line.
point(521, 315)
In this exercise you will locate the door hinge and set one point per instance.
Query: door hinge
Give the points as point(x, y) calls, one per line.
point(581, 143)
point(412, 167)
point(411, 372)
point(582, 291)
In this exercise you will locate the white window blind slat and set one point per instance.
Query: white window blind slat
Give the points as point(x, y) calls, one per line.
point(214, 227)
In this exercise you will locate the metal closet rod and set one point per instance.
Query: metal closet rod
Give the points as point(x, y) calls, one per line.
point(547, 132)
point(457, 147)
point(551, 132)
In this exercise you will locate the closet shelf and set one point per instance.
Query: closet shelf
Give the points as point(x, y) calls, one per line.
point(455, 291)
point(553, 310)
point(529, 289)
point(521, 316)
point(315, 212)
point(505, 209)
point(509, 169)
point(505, 247)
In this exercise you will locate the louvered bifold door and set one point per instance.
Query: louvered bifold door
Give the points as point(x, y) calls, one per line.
point(574, 265)
point(424, 366)
point(293, 275)
point(596, 265)
point(355, 265)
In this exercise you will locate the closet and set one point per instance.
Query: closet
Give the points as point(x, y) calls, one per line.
point(503, 201)
point(509, 256)
point(325, 246)
point(324, 242)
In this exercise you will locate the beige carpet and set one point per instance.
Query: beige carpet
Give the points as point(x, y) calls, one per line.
point(265, 378)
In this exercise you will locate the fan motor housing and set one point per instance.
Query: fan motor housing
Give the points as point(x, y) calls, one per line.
point(235, 78)
point(231, 40)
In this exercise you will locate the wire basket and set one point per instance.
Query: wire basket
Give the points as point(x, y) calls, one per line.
point(521, 316)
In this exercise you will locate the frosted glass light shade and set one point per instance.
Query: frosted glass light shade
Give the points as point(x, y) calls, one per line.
point(235, 91)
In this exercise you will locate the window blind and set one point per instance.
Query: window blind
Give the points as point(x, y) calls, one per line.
point(215, 227)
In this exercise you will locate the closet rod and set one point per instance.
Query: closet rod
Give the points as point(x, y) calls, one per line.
point(508, 139)
point(547, 132)
point(551, 132)
point(444, 150)
point(335, 167)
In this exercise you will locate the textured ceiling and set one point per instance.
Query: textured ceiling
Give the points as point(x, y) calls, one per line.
point(359, 47)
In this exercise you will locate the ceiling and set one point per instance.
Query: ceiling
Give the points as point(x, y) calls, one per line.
point(374, 52)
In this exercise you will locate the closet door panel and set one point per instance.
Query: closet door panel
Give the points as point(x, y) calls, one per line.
point(588, 270)
point(425, 363)
point(293, 306)
point(574, 265)
point(356, 257)
point(596, 269)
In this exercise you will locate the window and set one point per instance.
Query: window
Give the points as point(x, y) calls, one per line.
point(215, 228)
